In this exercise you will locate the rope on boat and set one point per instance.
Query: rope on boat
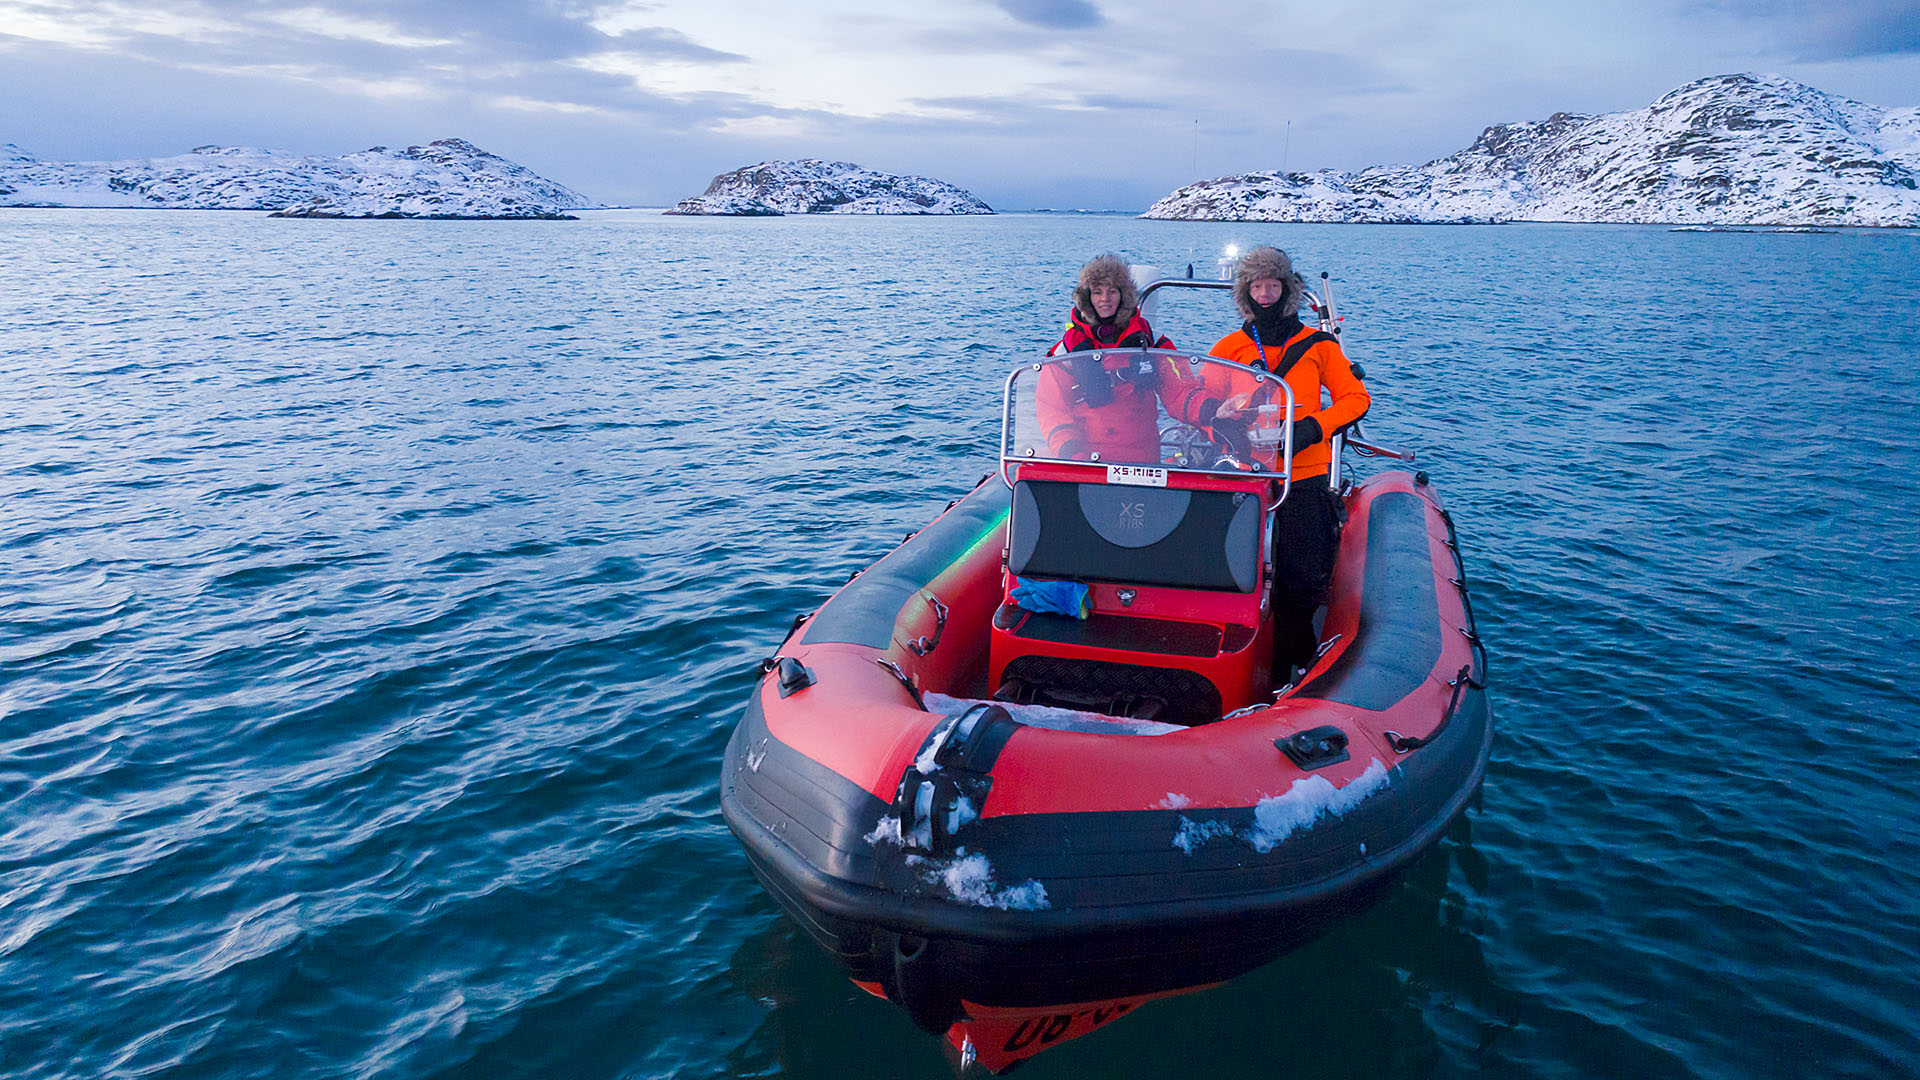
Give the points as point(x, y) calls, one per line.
point(1403, 744)
point(1472, 630)
point(1466, 678)
point(905, 680)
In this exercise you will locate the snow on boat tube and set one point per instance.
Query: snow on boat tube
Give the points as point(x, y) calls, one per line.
point(1015, 873)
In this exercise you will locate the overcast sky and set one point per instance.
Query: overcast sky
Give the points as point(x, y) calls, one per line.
point(1027, 103)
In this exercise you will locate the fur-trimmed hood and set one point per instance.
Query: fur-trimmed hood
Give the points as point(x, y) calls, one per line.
point(1265, 262)
point(1109, 270)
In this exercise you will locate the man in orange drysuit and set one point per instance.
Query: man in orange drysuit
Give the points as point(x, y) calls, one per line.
point(1307, 527)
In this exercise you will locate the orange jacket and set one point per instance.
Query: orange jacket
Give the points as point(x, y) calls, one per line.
point(1320, 363)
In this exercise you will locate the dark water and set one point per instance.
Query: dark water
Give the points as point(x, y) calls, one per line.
point(379, 597)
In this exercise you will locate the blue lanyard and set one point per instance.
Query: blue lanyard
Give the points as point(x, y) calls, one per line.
point(1254, 332)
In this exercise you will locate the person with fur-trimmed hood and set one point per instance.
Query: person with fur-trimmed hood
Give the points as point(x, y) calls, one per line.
point(1307, 526)
point(1106, 311)
point(1108, 405)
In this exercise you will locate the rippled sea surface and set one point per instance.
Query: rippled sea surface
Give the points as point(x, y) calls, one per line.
point(378, 598)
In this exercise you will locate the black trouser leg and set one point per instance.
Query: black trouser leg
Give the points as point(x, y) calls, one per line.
point(1306, 537)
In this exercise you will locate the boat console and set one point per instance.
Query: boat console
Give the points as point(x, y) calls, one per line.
point(1169, 538)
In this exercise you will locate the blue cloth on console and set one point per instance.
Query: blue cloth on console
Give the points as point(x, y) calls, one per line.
point(1053, 597)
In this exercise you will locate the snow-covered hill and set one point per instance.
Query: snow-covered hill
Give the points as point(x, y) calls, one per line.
point(450, 178)
point(1727, 150)
point(811, 186)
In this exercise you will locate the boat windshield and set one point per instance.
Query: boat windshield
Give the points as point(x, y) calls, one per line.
point(1151, 408)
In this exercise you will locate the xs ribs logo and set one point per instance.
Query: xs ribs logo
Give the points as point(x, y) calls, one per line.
point(1133, 515)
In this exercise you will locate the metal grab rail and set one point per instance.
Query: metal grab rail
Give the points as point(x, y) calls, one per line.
point(1350, 439)
point(1367, 449)
point(1322, 310)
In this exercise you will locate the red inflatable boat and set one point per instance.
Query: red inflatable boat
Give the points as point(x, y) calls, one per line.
point(1020, 824)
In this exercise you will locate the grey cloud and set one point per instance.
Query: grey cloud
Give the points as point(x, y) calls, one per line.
point(1054, 14)
point(1855, 32)
point(487, 48)
point(992, 112)
point(476, 30)
point(537, 31)
point(671, 44)
point(1122, 103)
point(1264, 90)
point(499, 27)
point(1818, 30)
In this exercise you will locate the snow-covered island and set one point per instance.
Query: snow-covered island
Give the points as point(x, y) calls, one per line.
point(1728, 150)
point(450, 178)
point(812, 186)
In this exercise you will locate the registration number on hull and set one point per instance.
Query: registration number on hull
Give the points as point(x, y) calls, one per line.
point(1137, 475)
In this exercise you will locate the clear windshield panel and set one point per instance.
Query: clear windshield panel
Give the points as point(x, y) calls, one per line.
point(1147, 407)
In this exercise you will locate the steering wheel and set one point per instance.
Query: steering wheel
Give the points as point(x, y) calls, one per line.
point(1188, 447)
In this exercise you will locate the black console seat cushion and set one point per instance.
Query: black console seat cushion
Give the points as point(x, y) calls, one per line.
point(1169, 537)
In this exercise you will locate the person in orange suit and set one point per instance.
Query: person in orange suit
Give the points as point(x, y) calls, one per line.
point(1307, 526)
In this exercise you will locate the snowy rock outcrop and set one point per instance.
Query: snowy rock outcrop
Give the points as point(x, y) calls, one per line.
point(811, 186)
point(450, 178)
point(1727, 150)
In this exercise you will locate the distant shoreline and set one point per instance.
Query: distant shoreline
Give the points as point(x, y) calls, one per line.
point(654, 211)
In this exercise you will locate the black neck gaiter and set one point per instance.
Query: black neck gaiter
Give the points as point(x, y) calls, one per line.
point(1274, 324)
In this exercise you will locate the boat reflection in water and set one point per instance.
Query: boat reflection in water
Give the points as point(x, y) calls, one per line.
point(996, 1039)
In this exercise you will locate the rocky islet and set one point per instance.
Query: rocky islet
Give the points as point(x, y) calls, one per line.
point(449, 178)
point(1726, 150)
point(813, 186)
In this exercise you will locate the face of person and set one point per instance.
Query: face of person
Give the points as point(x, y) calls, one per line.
point(1106, 300)
point(1266, 291)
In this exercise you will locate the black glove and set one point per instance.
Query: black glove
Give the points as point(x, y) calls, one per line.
point(1075, 450)
point(1305, 433)
point(1096, 388)
point(1232, 434)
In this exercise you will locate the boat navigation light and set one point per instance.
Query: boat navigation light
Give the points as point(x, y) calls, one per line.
point(1229, 259)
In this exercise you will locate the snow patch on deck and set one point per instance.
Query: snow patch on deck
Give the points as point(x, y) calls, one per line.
point(1193, 833)
point(1054, 719)
point(969, 879)
point(887, 832)
point(926, 760)
point(1307, 801)
point(1277, 817)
